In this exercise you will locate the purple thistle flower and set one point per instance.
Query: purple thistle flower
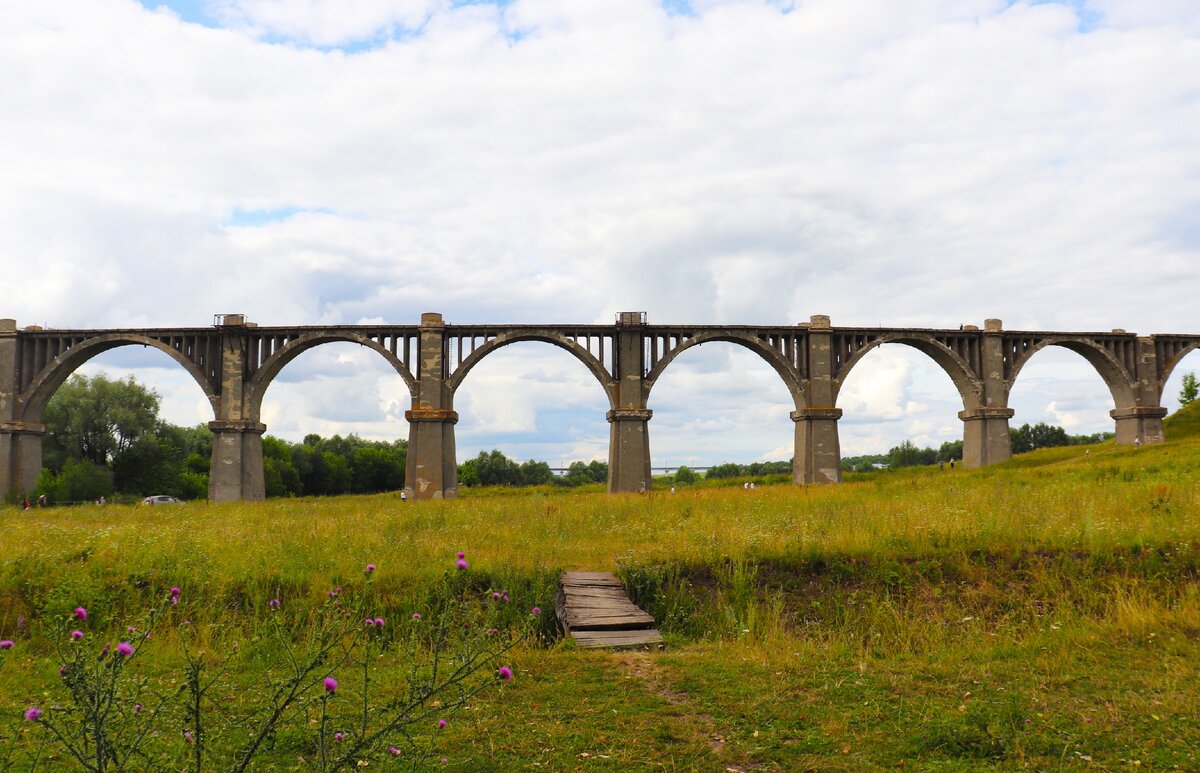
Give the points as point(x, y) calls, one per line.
point(7, 644)
point(462, 554)
point(535, 611)
point(175, 591)
point(32, 714)
point(370, 568)
point(62, 670)
point(137, 709)
point(76, 635)
point(441, 723)
point(496, 595)
point(505, 673)
point(416, 616)
point(125, 649)
point(131, 629)
point(392, 750)
point(104, 652)
point(370, 621)
point(339, 736)
point(330, 684)
point(274, 603)
point(379, 622)
point(444, 760)
point(174, 601)
point(187, 735)
point(461, 563)
point(81, 613)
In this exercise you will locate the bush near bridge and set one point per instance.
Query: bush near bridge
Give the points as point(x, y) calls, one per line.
point(1043, 614)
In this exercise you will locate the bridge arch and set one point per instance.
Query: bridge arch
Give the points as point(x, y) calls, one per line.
point(965, 379)
point(1169, 368)
point(37, 395)
point(1121, 384)
point(773, 357)
point(594, 366)
point(262, 378)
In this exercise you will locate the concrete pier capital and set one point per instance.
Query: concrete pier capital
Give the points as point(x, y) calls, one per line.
point(629, 414)
point(1139, 412)
point(443, 415)
point(816, 412)
point(22, 428)
point(980, 414)
point(255, 427)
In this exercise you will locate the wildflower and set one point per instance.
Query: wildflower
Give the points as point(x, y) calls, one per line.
point(339, 736)
point(370, 621)
point(461, 563)
point(125, 649)
point(131, 629)
point(462, 554)
point(175, 591)
point(104, 652)
point(137, 709)
point(370, 568)
point(505, 673)
point(441, 723)
point(392, 750)
point(444, 760)
point(187, 735)
point(379, 622)
point(416, 616)
point(81, 613)
point(274, 603)
point(33, 713)
point(496, 595)
point(62, 670)
point(76, 634)
point(330, 684)
point(7, 644)
point(535, 611)
point(174, 601)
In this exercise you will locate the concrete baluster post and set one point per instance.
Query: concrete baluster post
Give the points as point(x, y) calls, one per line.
point(1142, 422)
point(629, 431)
point(432, 470)
point(236, 471)
point(985, 428)
point(20, 441)
point(818, 453)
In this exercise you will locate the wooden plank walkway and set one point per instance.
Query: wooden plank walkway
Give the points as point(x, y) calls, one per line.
point(595, 612)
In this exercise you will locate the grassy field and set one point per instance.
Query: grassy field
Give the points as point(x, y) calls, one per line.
point(1040, 614)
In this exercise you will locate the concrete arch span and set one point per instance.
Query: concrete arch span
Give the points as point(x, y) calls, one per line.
point(1169, 368)
point(773, 357)
point(1121, 384)
point(968, 383)
point(594, 366)
point(37, 395)
point(271, 367)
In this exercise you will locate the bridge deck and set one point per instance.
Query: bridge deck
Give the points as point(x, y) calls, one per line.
point(595, 612)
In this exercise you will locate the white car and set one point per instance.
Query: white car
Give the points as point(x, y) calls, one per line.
point(161, 499)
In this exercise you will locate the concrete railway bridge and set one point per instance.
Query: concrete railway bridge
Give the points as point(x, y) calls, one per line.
point(234, 362)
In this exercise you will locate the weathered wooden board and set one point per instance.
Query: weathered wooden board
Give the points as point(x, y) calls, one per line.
point(594, 610)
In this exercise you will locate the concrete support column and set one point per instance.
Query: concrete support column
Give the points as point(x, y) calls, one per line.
point(985, 436)
point(432, 468)
point(818, 457)
point(20, 441)
point(985, 427)
point(629, 430)
point(1139, 425)
point(629, 450)
point(236, 471)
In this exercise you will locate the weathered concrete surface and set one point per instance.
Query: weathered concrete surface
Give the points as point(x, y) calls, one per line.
point(234, 362)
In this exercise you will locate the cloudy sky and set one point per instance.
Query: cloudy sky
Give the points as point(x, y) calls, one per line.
point(926, 163)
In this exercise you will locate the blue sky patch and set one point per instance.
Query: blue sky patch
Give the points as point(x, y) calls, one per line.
point(253, 218)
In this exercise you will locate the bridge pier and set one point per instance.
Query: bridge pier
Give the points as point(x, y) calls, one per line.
point(629, 450)
point(1139, 425)
point(985, 436)
point(236, 471)
point(818, 453)
point(432, 468)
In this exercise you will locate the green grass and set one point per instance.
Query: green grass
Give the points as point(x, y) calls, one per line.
point(1041, 614)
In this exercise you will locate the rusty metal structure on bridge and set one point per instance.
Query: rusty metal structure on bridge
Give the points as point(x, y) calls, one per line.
point(234, 361)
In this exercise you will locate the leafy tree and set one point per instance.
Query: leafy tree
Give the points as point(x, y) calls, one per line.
point(684, 476)
point(951, 450)
point(907, 454)
point(97, 419)
point(1190, 389)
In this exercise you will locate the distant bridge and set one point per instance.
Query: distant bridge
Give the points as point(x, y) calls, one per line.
point(234, 362)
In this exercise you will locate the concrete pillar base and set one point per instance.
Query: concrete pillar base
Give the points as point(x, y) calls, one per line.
point(431, 471)
point(236, 472)
point(21, 450)
point(985, 436)
point(1139, 425)
point(818, 451)
point(629, 450)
